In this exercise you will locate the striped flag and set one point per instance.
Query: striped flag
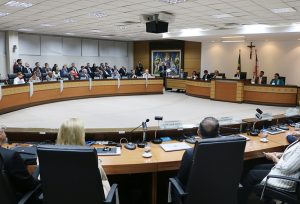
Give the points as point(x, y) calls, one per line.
point(239, 61)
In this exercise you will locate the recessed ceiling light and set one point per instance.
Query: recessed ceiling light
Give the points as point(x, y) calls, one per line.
point(233, 41)
point(69, 20)
point(121, 27)
point(98, 14)
point(225, 15)
point(231, 37)
point(25, 29)
point(3, 14)
point(96, 31)
point(69, 33)
point(18, 4)
point(172, 1)
point(283, 10)
point(47, 25)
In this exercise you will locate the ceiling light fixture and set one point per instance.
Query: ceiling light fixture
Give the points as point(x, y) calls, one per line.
point(46, 25)
point(225, 15)
point(255, 28)
point(69, 20)
point(69, 33)
point(121, 27)
point(233, 41)
point(232, 37)
point(98, 14)
point(283, 10)
point(96, 31)
point(3, 14)
point(172, 1)
point(25, 29)
point(18, 4)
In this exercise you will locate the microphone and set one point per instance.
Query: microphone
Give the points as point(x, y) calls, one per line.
point(144, 142)
point(259, 111)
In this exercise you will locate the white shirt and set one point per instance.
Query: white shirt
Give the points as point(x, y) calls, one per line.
point(288, 165)
point(17, 80)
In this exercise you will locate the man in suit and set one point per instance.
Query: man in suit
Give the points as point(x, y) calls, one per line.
point(89, 69)
point(276, 81)
point(21, 180)
point(18, 67)
point(27, 69)
point(208, 128)
point(123, 71)
point(238, 74)
point(206, 76)
point(261, 79)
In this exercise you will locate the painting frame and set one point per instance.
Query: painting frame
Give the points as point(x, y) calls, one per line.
point(163, 60)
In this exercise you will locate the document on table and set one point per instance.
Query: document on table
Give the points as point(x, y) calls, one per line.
point(175, 146)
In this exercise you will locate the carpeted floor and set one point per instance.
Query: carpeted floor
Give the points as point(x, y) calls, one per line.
point(129, 111)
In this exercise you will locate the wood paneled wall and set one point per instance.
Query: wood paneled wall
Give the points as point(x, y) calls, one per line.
point(192, 57)
point(141, 52)
point(191, 53)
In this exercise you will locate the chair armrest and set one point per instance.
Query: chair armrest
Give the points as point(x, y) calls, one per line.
point(177, 187)
point(284, 178)
point(28, 195)
point(113, 193)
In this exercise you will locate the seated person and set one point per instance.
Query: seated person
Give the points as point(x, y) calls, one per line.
point(34, 78)
point(206, 76)
point(14, 166)
point(132, 74)
point(293, 136)
point(238, 74)
point(208, 128)
point(84, 74)
point(19, 79)
point(261, 79)
point(73, 73)
point(147, 74)
point(71, 132)
point(194, 75)
point(47, 68)
point(64, 73)
point(285, 163)
point(27, 69)
point(276, 81)
point(123, 71)
point(50, 76)
point(216, 74)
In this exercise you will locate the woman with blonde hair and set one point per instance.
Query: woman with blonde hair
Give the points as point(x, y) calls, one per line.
point(71, 132)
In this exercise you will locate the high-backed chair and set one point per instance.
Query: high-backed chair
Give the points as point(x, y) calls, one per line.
point(214, 175)
point(283, 79)
point(279, 194)
point(70, 174)
point(7, 194)
point(11, 78)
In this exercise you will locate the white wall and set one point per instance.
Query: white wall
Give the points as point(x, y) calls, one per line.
point(62, 50)
point(274, 56)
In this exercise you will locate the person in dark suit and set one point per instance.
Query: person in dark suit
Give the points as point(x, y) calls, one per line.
point(261, 79)
point(206, 76)
point(208, 128)
point(122, 71)
point(276, 81)
point(21, 180)
point(18, 67)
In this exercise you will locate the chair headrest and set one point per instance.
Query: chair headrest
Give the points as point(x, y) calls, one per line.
point(222, 139)
point(65, 148)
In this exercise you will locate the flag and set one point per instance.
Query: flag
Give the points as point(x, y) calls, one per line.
point(255, 73)
point(239, 67)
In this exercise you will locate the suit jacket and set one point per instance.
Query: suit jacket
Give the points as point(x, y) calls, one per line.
point(185, 167)
point(278, 82)
point(208, 77)
point(19, 68)
point(263, 80)
point(15, 168)
point(122, 72)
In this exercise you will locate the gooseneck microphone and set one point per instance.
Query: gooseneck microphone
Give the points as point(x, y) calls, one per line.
point(132, 146)
point(145, 127)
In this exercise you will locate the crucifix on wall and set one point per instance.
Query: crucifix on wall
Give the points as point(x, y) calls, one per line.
point(251, 46)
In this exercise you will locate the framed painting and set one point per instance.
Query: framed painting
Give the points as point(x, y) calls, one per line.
point(165, 61)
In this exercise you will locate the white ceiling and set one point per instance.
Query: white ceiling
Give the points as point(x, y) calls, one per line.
point(189, 14)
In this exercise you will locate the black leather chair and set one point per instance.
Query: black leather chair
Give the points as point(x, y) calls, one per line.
point(11, 78)
point(70, 174)
point(215, 173)
point(283, 79)
point(7, 194)
point(266, 191)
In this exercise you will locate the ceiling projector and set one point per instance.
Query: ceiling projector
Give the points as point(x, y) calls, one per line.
point(157, 23)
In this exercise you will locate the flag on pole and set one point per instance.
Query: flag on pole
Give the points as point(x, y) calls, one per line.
point(239, 61)
point(255, 73)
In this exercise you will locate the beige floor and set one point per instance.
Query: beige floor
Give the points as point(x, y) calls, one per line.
point(129, 111)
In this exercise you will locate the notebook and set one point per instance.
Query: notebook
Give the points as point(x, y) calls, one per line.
point(175, 146)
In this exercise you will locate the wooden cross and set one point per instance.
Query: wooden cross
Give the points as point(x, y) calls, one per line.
point(251, 46)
